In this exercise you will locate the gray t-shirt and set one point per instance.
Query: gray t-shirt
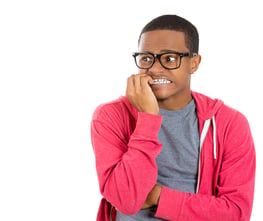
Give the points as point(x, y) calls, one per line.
point(178, 161)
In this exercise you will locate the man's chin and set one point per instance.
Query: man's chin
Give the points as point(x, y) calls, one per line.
point(161, 99)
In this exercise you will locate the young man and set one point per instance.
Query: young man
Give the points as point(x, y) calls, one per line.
point(164, 152)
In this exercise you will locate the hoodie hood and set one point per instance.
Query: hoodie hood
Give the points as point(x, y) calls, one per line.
point(206, 111)
point(206, 107)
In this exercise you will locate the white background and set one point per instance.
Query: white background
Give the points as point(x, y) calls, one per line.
point(52, 79)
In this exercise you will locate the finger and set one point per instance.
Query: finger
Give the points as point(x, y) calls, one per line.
point(137, 83)
point(146, 80)
point(130, 85)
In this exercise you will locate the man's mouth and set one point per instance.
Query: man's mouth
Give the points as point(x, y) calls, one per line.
point(161, 81)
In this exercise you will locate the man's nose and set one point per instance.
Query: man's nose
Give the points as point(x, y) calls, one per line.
point(157, 67)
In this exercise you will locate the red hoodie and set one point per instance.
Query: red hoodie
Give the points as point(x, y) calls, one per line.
point(125, 144)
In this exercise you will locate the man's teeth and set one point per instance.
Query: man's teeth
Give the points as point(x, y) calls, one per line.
point(161, 81)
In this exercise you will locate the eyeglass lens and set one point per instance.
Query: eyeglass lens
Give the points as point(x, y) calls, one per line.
point(168, 60)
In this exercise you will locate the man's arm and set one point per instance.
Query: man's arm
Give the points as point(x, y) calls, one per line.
point(233, 198)
point(126, 169)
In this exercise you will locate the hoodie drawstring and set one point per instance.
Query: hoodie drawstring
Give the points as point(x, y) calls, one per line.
point(214, 135)
point(202, 139)
point(204, 133)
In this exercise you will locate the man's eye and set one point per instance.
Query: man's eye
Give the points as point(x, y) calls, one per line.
point(170, 58)
point(146, 59)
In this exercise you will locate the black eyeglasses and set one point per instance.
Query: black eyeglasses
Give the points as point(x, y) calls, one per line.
point(169, 60)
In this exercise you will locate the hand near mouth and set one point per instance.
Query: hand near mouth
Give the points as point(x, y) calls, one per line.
point(141, 95)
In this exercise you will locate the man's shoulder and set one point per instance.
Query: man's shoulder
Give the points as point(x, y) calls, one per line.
point(118, 107)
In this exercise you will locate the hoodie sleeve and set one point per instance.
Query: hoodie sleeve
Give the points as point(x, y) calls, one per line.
point(125, 165)
point(235, 178)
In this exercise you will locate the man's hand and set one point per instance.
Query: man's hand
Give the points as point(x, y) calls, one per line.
point(153, 197)
point(141, 95)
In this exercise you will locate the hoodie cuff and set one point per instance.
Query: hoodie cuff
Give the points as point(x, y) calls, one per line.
point(148, 125)
point(170, 204)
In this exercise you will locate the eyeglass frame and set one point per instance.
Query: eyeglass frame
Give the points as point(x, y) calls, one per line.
point(158, 56)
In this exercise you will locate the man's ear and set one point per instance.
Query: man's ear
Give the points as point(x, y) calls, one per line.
point(195, 61)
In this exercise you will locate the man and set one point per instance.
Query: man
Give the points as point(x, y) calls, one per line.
point(164, 152)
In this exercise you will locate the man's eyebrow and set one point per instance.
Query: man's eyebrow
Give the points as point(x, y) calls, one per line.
point(168, 50)
point(162, 51)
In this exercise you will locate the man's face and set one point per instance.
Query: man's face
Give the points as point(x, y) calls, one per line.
point(172, 88)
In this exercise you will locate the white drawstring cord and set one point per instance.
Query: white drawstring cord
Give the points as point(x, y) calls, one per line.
point(214, 135)
point(204, 132)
